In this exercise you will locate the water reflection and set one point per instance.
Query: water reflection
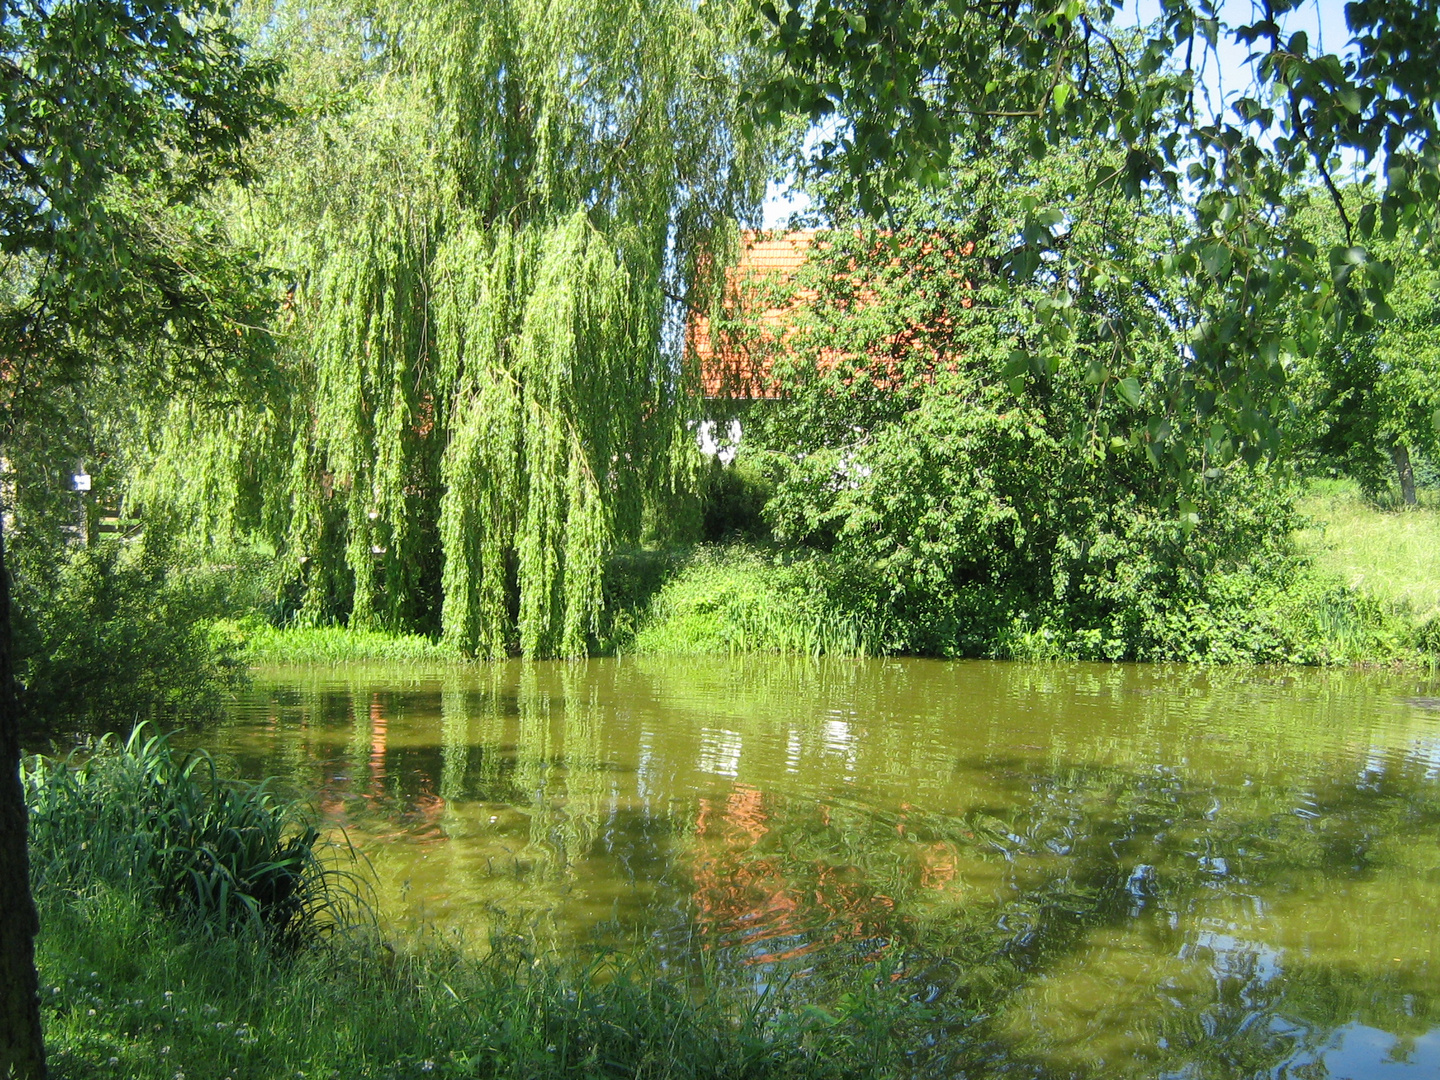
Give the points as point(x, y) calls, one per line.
point(1104, 871)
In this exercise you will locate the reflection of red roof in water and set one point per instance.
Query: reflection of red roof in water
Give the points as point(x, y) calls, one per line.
point(388, 817)
point(764, 311)
point(760, 902)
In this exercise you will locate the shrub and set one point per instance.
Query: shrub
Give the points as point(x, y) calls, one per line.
point(224, 854)
point(106, 633)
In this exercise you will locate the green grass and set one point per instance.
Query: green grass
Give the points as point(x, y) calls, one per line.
point(148, 973)
point(128, 995)
point(738, 599)
point(1390, 554)
point(265, 644)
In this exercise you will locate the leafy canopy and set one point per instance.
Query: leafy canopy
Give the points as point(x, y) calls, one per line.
point(118, 116)
point(909, 89)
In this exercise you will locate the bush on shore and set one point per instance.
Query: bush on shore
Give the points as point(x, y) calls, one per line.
point(747, 599)
point(112, 634)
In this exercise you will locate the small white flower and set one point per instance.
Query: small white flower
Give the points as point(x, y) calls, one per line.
point(113, 1061)
point(164, 1049)
point(90, 1013)
point(427, 1066)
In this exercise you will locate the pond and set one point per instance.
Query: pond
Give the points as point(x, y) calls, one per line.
point(1089, 870)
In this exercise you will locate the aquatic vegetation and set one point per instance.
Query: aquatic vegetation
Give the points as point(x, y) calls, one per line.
point(224, 855)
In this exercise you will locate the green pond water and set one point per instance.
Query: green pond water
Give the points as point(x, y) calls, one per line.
point(1078, 870)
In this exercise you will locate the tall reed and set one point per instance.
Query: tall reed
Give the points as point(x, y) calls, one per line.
point(223, 853)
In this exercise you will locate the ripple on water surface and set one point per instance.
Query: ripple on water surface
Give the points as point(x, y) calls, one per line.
point(1125, 870)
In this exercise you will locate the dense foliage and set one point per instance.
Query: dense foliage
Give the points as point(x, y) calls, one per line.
point(1368, 401)
point(109, 636)
point(973, 499)
point(911, 89)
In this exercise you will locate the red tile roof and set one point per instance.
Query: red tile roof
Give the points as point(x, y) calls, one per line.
point(768, 263)
point(765, 310)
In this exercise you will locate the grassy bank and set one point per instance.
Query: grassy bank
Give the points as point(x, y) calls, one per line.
point(1390, 553)
point(737, 599)
point(261, 643)
point(1361, 585)
point(741, 599)
point(128, 995)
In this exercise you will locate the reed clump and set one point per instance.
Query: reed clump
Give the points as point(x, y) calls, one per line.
point(224, 855)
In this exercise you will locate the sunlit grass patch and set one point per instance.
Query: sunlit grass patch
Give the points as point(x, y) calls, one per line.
point(1391, 554)
point(265, 644)
point(738, 599)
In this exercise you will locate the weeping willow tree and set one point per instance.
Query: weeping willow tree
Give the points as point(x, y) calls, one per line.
point(492, 212)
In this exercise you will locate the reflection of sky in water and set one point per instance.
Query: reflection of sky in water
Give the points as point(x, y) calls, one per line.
point(839, 741)
point(1357, 1052)
point(720, 752)
point(1426, 751)
point(1231, 957)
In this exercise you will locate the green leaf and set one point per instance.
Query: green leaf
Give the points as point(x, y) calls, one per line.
point(1129, 390)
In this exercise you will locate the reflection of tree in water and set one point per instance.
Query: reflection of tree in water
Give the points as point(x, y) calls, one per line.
point(1115, 917)
point(996, 911)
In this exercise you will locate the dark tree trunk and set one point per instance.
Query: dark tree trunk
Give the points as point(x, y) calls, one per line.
point(22, 1050)
point(1401, 456)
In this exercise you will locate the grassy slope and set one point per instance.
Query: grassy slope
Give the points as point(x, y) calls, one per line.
point(1393, 555)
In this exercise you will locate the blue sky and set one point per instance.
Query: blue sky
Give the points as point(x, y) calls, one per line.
point(1225, 75)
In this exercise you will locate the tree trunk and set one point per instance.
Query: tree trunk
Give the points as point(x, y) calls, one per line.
point(1401, 456)
point(22, 1050)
